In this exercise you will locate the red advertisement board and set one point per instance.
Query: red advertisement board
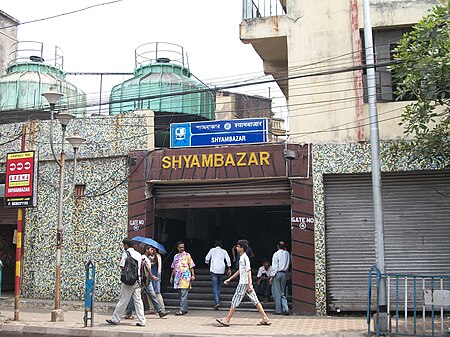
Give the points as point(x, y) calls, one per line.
point(20, 187)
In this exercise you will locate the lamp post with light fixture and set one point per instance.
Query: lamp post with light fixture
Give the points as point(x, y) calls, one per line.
point(64, 119)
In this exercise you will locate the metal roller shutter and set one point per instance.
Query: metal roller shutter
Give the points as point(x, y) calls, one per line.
point(8, 216)
point(224, 194)
point(416, 209)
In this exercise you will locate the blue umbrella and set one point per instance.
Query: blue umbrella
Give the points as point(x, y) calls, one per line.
point(151, 242)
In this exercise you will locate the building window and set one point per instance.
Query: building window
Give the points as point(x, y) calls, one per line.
point(384, 41)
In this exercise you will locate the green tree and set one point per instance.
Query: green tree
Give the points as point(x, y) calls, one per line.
point(423, 72)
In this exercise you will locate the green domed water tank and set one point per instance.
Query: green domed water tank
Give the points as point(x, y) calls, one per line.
point(157, 82)
point(25, 80)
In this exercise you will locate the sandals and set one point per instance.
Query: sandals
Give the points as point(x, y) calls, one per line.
point(264, 322)
point(180, 313)
point(222, 322)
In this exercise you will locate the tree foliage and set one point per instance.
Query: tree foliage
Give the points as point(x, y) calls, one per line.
point(423, 72)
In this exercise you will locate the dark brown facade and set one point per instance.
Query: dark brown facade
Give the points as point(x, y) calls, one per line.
point(262, 171)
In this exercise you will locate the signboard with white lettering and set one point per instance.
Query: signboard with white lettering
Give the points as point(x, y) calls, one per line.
point(21, 182)
point(301, 222)
point(137, 224)
point(215, 133)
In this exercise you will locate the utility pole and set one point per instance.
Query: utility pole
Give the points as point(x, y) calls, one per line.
point(20, 214)
point(375, 153)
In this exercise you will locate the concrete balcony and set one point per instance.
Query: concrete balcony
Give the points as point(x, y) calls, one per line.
point(265, 27)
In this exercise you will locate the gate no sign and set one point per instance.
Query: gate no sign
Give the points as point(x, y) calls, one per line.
point(301, 222)
point(137, 224)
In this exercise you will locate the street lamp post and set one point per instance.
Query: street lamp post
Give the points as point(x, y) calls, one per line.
point(64, 119)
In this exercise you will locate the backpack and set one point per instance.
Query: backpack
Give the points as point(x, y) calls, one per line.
point(130, 273)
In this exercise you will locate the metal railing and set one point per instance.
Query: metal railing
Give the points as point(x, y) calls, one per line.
point(26, 51)
point(152, 52)
point(261, 8)
point(417, 305)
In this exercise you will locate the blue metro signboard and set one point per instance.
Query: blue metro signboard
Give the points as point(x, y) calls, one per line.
point(216, 133)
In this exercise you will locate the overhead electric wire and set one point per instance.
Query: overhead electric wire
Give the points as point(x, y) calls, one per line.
point(183, 93)
point(18, 136)
point(61, 14)
point(287, 106)
point(283, 106)
point(328, 101)
point(338, 128)
point(89, 104)
point(214, 86)
point(205, 90)
point(292, 68)
point(292, 110)
point(314, 61)
point(248, 93)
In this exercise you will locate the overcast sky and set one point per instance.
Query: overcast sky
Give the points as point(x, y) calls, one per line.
point(103, 39)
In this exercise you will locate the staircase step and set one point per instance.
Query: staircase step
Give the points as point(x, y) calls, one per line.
point(197, 284)
point(205, 286)
point(201, 295)
point(205, 296)
point(203, 277)
point(202, 304)
point(208, 290)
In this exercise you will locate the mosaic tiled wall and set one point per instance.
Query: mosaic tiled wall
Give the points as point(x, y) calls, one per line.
point(106, 136)
point(93, 226)
point(343, 158)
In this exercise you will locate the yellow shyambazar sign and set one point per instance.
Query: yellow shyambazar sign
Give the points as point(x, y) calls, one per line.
point(216, 160)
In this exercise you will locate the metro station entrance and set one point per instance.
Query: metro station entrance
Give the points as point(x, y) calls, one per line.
point(200, 227)
point(262, 193)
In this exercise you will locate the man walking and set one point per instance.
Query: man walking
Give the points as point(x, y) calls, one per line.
point(147, 285)
point(128, 291)
point(182, 276)
point(244, 287)
point(218, 259)
point(280, 264)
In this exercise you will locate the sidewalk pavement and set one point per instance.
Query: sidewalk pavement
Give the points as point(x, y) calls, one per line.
point(36, 321)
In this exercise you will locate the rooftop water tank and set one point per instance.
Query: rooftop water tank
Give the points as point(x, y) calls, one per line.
point(27, 77)
point(161, 73)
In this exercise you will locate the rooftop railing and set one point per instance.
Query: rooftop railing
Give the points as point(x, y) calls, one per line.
point(261, 8)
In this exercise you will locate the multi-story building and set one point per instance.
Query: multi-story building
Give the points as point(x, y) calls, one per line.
point(311, 46)
point(8, 37)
